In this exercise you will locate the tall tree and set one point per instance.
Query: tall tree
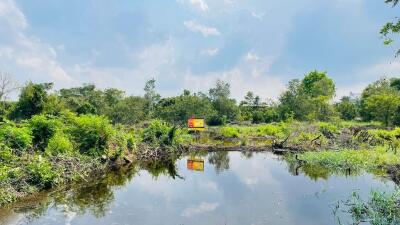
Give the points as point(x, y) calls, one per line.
point(226, 108)
point(380, 101)
point(32, 100)
point(309, 98)
point(151, 96)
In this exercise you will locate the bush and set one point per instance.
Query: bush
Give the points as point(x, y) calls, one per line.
point(43, 129)
point(159, 133)
point(41, 173)
point(6, 154)
point(59, 144)
point(216, 120)
point(230, 132)
point(19, 138)
point(271, 130)
point(92, 134)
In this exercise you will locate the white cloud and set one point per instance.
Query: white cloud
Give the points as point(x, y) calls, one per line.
point(246, 75)
point(10, 12)
point(199, 209)
point(25, 52)
point(210, 51)
point(258, 16)
point(198, 28)
point(200, 4)
point(252, 56)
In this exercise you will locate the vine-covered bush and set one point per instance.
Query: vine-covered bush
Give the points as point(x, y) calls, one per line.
point(59, 144)
point(43, 128)
point(92, 134)
point(41, 172)
point(16, 137)
point(159, 133)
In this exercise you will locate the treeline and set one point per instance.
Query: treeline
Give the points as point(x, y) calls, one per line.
point(308, 99)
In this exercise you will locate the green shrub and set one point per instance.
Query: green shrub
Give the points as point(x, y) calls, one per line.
point(43, 129)
point(271, 130)
point(216, 120)
point(230, 132)
point(6, 154)
point(41, 173)
point(92, 134)
point(159, 133)
point(19, 138)
point(59, 144)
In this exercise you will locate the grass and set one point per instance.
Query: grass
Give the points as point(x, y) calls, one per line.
point(352, 159)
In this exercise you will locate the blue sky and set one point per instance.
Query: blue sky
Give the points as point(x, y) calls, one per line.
point(188, 44)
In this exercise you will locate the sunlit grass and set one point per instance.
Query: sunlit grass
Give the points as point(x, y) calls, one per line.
point(352, 159)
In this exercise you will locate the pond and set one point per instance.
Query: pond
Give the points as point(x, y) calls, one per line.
point(220, 188)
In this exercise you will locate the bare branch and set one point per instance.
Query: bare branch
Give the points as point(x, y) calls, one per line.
point(7, 86)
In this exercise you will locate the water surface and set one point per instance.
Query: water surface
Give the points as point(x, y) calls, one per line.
point(232, 188)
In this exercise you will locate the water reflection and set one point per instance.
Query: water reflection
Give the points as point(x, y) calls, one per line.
point(220, 160)
point(233, 188)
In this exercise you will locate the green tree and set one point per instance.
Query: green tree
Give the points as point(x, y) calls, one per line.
point(383, 106)
point(85, 100)
point(380, 101)
point(32, 100)
point(347, 108)
point(380, 86)
point(151, 96)
point(130, 110)
point(395, 83)
point(179, 109)
point(225, 107)
point(309, 98)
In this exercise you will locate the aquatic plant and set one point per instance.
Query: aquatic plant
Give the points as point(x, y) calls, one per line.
point(381, 208)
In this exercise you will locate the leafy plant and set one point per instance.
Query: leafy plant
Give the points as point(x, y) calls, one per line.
point(19, 138)
point(41, 172)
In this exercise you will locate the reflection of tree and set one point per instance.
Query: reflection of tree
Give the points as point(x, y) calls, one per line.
point(247, 154)
point(315, 172)
point(220, 160)
point(94, 198)
point(162, 167)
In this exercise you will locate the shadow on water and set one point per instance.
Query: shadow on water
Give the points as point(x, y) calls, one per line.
point(96, 198)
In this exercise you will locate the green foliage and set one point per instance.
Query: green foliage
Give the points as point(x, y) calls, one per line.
point(179, 109)
point(92, 134)
point(151, 96)
point(380, 101)
point(225, 107)
point(309, 98)
point(276, 130)
point(130, 110)
point(353, 159)
point(229, 132)
point(32, 100)
point(43, 128)
point(159, 133)
point(317, 84)
point(380, 209)
point(347, 108)
point(391, 28)
point(59, 144)
point(16, 137)
point(41, 172)
point(6, 154)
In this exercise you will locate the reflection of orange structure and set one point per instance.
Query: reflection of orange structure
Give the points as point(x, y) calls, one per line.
point(195, 164)
point(196, 124)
